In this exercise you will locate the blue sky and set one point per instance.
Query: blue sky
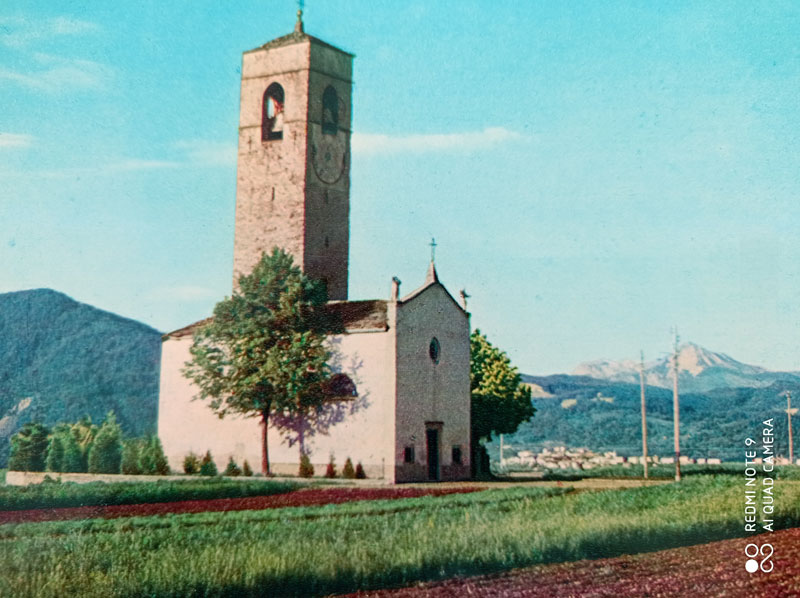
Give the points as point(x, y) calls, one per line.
point(593, 173)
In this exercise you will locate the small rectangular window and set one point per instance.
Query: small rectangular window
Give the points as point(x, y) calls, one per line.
point(408, 454)
point(457, 455)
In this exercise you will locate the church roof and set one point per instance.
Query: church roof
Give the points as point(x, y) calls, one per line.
point(431, 279)
point(369, 314)
point(364, 315)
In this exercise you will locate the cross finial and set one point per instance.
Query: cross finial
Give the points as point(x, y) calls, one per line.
point(433, 249)
point(298, 27)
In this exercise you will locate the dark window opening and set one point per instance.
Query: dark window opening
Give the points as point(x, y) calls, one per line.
point(434, 350)
point(341, 387)
point(272, 113)
point(330, 111)
point(456, 455)
point(408, 454)
point(327, 242)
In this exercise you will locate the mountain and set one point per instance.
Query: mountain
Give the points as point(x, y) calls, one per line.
point(699, 370)
point(722, 402)
point(61, 360)
point(605, 415)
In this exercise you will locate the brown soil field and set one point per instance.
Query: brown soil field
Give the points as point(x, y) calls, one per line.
point(299, 498)
point(715, 569)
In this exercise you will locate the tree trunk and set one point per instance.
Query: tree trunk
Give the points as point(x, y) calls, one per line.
point(264, 444)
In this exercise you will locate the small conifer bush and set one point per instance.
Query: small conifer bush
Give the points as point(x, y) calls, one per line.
point(306, 468)
point(232, 470)
point(191, 464)
point(330, 471)
point(360, 474)
point(207, 465)
point(348, 472)
point(247, 471)
point(131, 451)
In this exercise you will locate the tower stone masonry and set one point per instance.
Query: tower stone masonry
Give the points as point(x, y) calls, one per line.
point(293, 174)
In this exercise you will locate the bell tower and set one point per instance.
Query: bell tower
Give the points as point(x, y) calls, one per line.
point(293, 172)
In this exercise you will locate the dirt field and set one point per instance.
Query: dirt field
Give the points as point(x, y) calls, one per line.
point(715, 569)
point(300, 498)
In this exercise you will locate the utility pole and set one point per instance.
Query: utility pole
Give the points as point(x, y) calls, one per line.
point(644, 416)
point(789, 413)
point(675, 408)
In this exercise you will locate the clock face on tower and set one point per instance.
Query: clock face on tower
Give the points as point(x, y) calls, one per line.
point(328, 157)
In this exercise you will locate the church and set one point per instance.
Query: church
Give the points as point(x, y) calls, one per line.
point(407, 355)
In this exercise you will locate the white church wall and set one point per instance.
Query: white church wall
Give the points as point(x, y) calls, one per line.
point(361, 428)
point(429, 393)
point(186, 426)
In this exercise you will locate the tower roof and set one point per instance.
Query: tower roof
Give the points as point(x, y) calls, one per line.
point(295, 37)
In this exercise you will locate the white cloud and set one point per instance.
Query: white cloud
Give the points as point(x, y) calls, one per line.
point(15, 140)
point(17, 32)
point(367, 143)
point(209, 153)
point(56, 73)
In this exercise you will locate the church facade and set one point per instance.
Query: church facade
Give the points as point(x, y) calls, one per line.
point(407, 355)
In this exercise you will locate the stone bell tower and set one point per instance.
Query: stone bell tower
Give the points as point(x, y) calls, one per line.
point(293, 174)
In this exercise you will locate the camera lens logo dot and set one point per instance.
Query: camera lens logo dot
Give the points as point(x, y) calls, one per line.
point(751, 565)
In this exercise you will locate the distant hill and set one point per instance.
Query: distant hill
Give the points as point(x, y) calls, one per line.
point(61, 360)
point(699, 370)
point(722, 402)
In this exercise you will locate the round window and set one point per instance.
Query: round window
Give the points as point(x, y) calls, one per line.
point(434, 349)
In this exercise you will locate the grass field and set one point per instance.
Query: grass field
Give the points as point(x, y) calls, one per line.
point(69, 494)
point(338, 548)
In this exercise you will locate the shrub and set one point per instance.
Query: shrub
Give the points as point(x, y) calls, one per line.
point(131, 450)
point(360, 474)
point(74, 460)
point(330, 472)
point(207, 465)
point(306, 468)
point(232, 469)
point(191, 464)
point(105, 454)
point(29, 448)
point(347, 471)
point(152, 460)
point(246, 469)
point(55, 454)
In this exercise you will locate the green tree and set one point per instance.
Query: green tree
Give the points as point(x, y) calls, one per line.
point(207, 465)
point(105, 453)
point(264, 351)
point(232, 470)
point(55, 449)
point(157, 458)
point(500, 401)
point(246, 469)
point(84, 432)
point(131, 451)
point(73, 461)
point(191, 464)
point(29, 448)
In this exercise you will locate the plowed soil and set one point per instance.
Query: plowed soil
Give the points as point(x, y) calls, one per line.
point(299, 498)
point(715, 569)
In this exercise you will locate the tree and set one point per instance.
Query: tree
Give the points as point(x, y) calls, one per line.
point(207, 465)
point(55, 450)
point(499, 399)
point(131, 451)
point(105, 454)
point(29, 448)
point(264, 352)
point(232, 470)
point(191, 464)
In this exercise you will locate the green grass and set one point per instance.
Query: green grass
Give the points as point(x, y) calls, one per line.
point(337, 548)
point(69, 494)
